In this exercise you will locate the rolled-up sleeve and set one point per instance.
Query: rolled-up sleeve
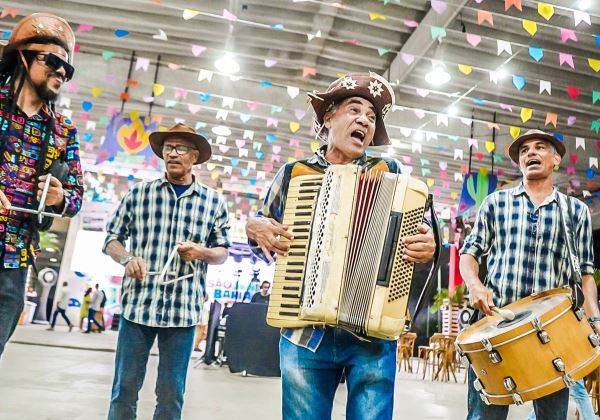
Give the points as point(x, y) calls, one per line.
point(118, 228)
point(272, 208)
point(480, 239)
point(219, 235)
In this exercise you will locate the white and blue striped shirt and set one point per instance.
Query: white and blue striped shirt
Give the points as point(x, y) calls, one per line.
point(526, 245)
point(154, 219)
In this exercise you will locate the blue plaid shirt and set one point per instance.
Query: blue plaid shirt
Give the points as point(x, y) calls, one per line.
point(274, 206)
point(525, 245)
point(154, 219)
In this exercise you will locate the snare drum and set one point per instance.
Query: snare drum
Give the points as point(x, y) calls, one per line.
point(547, 347)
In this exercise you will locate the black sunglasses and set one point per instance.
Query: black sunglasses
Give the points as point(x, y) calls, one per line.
point(55, 62)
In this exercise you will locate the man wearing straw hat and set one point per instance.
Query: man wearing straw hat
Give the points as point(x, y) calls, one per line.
point(521, 232)
point(175, 226)
point(349, 117)
point(35, 63)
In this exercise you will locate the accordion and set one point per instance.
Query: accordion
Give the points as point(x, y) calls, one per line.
point(344, 266)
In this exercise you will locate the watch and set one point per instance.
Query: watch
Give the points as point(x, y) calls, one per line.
point(125, 260)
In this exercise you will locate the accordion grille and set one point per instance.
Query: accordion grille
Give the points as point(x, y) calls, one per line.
point(402, 271)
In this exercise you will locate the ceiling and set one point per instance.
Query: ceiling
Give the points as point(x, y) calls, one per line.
point(288, 46)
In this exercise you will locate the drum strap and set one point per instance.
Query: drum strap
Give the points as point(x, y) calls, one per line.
point(566, 220)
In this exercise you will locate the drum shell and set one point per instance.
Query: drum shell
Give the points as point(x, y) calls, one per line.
point(525, 358)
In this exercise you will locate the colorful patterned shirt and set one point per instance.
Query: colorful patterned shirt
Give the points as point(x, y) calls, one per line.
point(274, 206)
point(21, 148)
point(155, 219)
point(525, 245)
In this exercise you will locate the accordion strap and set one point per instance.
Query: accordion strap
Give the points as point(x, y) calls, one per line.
point(436, 260)
point(566, 220)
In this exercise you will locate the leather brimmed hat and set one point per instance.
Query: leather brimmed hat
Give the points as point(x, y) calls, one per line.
point(513, 150)
point(181, 131)
point(41, 24)
point(370, 86)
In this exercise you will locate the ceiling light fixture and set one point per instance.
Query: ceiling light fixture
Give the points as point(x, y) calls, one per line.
point(438, 75)
point(584, 4)
point(227, 64)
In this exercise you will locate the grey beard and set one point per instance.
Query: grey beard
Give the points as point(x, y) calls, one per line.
point(44, 93)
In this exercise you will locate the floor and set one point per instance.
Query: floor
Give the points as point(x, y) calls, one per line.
point(60, 375)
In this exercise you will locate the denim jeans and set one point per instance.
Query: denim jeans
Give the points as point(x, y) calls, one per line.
point(133, 348)
point(92, 319)
point(551, 407)
point(12, 300)
point(309, 380)
point(62, 313)
point(582, 399)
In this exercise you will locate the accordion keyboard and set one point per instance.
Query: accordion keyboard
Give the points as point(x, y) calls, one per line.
point(284, 304)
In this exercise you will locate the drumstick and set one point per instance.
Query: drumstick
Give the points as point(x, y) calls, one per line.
point(504, 313)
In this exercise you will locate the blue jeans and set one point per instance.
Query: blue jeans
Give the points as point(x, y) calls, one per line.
point(12, 300)
point(92, 319)
point(309, 380)
point(582, 399)
point(551, 407)
point(62, 313)
point(133, 348)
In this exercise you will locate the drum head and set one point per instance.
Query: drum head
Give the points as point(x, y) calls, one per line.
point(525, 310)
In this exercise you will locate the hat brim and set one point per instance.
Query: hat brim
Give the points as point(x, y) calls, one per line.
point(157, 139)
point(321, 102)
point(513, 149)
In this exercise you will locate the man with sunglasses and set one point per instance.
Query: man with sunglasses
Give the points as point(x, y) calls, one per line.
point(34, 65)
point(158, 216)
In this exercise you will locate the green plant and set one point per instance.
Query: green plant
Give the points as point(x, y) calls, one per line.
point(438, 300)
point(597, 277)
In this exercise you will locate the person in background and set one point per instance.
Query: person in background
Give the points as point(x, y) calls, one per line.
point(61, 307)
point(100, 313)
point(85, 306)
point(95, 302)
point(31, 293)
point(263, 295)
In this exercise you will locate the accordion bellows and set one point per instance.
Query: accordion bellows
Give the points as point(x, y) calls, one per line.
point(344, 266)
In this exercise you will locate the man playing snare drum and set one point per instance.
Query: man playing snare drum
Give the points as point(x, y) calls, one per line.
point(521, 232)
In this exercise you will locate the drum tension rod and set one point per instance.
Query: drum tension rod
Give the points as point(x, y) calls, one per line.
point(594, 340)
point(543, 336)
point(579, 313)
point(559, 365)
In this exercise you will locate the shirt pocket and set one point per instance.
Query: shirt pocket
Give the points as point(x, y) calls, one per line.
point(195, 231)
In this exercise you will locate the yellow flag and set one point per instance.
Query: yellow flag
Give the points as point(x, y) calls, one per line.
point(291, 159)
point(465, 69)
point(294, 126)
point(158, 89)
point(530, 26)
point(545, 10)
point(454, 195)
point(375, 16)
point(490, 146)
point(96, 91)
point(514, 132)
point(214, 175)
point(430, 182)
point(594, 64)
point(526, 114)
point(314, 146)
point(189, 13)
